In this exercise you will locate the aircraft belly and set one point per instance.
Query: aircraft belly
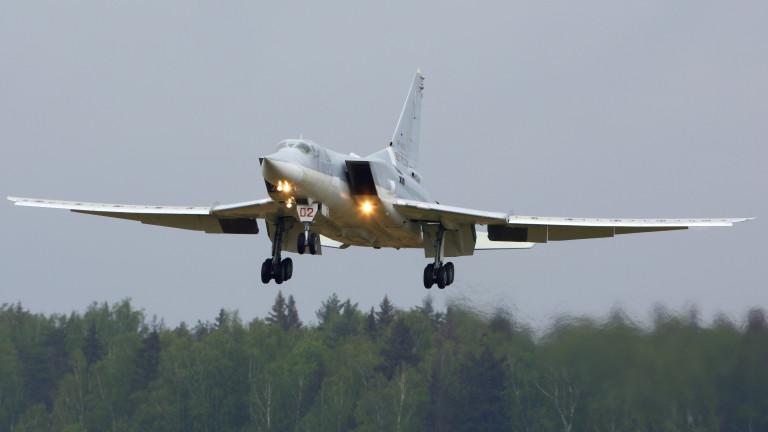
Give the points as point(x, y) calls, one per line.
point(344, 222)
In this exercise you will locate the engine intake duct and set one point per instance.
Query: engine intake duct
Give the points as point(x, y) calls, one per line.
point(360, 178)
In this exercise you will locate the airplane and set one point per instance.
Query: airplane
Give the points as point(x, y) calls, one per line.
point(319, 198)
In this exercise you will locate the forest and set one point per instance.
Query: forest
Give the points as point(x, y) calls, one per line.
point(111, 368)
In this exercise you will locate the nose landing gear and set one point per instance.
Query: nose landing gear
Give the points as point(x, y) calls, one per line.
point(438, 272)
point(307, 241)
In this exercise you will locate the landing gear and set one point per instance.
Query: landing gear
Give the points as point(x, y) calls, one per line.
point(429, 276)
point(276, 267)
point(438, 272)
point(307, 241)
point(443, 276)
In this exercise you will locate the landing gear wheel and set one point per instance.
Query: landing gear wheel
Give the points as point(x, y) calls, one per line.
point(429, 278)
point(277, 273)
point(312, 243)
point(266, 270)
point(287, 266)
point(301, 244)
point(442, 277)
point(450, 272)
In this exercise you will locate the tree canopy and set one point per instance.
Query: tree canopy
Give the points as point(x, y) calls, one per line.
point(380, 369)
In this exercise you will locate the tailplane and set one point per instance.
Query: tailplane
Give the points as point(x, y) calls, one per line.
point(405, 140)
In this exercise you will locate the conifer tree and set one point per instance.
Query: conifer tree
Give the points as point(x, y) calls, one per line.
point(329, 309)
point(347, 324)
point(399, 349)
point(292, 314)
point(370, 325)
point(147, 360)
point(279, 314)
point(482, 405)
point(386, 313)
point(222, 319)
point(92, 347)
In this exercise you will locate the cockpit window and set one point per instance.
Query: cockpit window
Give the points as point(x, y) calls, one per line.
point(301, 146)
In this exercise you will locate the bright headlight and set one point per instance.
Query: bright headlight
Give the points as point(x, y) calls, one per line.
point(366, 207)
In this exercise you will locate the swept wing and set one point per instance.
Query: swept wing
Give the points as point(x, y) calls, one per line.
point(541, 229)
point(239, 218)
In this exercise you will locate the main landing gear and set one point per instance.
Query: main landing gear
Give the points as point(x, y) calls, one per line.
point(438, 272)
point(276, 267)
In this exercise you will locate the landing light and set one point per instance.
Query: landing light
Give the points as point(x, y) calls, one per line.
point(366, 207)
point(283, 186)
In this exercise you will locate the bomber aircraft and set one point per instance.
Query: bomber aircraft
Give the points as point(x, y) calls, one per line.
point(320, 198)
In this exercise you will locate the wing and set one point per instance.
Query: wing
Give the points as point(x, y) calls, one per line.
point(237, 218)
point(537, 229)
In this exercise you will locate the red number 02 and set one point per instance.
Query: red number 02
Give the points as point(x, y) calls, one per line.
point(307, 211)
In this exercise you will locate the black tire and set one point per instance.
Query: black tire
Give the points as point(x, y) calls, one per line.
point(442, 277)
point(266, 270)
point(312, 243)
point(287, 266)
point(429, 278)
point(301, 244)
point(277, 274)
point(451, 272)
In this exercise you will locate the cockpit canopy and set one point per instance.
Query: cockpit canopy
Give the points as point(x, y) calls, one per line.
point(301, 145)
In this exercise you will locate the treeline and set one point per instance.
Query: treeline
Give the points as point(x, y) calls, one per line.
point(383, 369)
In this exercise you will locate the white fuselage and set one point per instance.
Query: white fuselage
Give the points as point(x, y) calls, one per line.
point(317, 174)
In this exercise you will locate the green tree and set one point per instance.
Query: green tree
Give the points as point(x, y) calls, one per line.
point(329, 310)
point(370, 324)
point(482, 405)
point(93, 349)
point(386, 313)
point(147, 359)
point(279, 315)
point(292, 314)
point(398, 349)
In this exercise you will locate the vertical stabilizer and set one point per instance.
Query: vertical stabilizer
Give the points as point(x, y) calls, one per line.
point(405, 141)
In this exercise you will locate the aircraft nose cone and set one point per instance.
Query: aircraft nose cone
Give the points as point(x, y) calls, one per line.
point(275, 170)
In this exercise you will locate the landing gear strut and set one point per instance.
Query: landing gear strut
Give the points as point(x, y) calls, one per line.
point(438, 272)
point(277, 268)
point(307, 240)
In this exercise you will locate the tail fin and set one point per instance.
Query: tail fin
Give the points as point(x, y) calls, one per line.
point(405, 140)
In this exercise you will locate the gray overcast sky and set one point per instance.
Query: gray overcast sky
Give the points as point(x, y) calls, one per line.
point(625, 109)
